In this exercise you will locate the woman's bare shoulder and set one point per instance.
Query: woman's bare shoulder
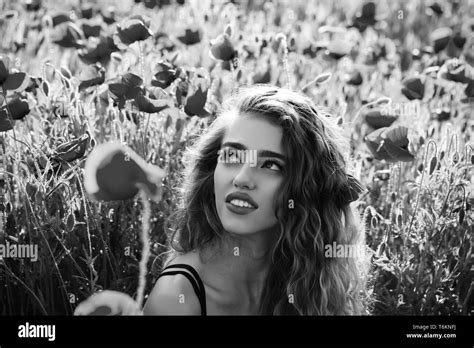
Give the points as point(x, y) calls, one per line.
point(174, 294)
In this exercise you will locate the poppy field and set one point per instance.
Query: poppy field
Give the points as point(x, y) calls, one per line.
point(119, 89)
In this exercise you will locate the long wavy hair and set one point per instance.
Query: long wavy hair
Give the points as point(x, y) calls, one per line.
point(312, 207)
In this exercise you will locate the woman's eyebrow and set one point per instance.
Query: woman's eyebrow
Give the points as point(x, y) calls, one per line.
point(262, 153)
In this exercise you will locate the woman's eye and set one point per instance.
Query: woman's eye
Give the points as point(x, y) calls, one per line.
point(272, 165)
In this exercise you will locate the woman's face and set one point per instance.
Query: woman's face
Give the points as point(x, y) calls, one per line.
point(249, 174)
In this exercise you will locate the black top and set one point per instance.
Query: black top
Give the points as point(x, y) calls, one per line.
point(195, 280)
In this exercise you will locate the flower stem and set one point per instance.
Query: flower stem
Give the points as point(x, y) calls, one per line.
point(145, 247)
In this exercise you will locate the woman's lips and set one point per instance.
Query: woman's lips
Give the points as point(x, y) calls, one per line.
point(239, 210)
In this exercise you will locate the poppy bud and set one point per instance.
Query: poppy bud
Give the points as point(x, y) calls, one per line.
point(393, 197)
point(433, 163)
point(455, 158)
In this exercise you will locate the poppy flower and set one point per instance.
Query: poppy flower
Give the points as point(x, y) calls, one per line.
point(108, 14)
point(190, 37)
point(115, 172)
point(413, 88)
point(457, 71)
point(11, 79)
point(440, 38)
point(441, 114)
point(436, 8)
point(108, 302)
point(222, 48)
point(92, 75)
point(196, 101)
point(354, 78)
point(125, 88)
point(150, 105)
point(166, 74)
point(71, 150)
point(311, 50)
point(390, 144)
point(365, 18)
point(87, 11)
point(18, 107)
point(135, 28)
point(91, 28)
point(67, 35)
point(262, 76)
point(458, 40)
point(164, 42)
point(60, 18)
point(379, 117)
point(98, 50)
point(33, 5)
point(338, 49)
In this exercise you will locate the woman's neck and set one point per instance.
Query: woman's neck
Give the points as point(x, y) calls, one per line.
point(242, 262)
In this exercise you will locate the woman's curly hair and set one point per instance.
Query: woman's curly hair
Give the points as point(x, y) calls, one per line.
point(313, 206)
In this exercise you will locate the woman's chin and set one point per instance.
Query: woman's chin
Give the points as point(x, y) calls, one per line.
point(238, 229)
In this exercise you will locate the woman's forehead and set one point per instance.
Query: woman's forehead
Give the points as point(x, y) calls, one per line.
point(254, 132)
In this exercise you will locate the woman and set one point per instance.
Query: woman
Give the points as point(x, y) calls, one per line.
point(264, 195)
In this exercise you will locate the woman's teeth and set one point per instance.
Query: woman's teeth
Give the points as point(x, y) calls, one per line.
point(239, 203)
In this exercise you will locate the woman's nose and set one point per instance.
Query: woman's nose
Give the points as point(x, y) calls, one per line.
point(244, 177)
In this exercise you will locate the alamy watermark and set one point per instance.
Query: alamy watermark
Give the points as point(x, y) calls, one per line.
point(413, 108)
point(37, 331)
point(344, 250)
point(237, 156)
point(22, 251)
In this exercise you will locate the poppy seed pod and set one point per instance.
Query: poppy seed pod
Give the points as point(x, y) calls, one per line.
point(222, 48)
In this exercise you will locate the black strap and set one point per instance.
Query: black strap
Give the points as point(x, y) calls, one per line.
point(196, 282)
